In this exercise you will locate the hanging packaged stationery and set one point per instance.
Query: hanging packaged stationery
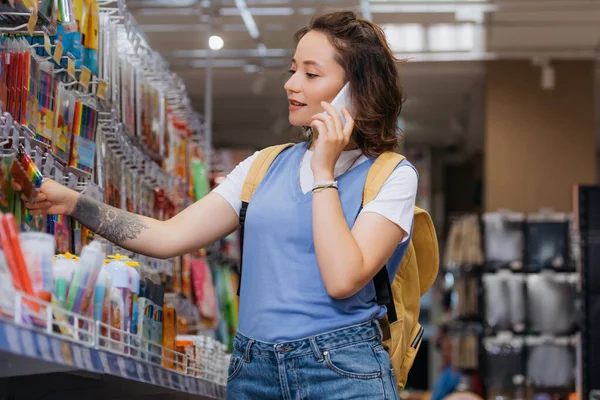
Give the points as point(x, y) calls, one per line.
point(40, 105)
point(33, 223)
point(4, 57)
point(90, 35)
point(83, 149)
point(63, 124)
point(504, 239)
point(204, 290)
point(77, 238)
point(547, 241)
point(129, 189)
point(7, 197)
point(61, 24)
point(18, 58)
point(550, 363)
point(128, 82)
point(32, 117)
point(60, 227)
point(141, 109)
point(505, 359)
point(156, 121)
point(551, 302)
point(164, 126)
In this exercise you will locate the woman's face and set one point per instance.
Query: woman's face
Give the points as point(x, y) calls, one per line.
point(315, 77)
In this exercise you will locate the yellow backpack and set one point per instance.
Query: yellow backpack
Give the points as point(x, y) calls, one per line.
point(416, 274)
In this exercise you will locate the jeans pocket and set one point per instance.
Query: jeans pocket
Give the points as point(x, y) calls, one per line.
point(235, 366)
point(356, 362)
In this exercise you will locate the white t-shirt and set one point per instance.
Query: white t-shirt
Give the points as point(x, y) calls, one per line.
point(395, 201)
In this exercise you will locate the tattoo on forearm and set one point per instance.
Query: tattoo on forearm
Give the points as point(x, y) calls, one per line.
point(113, 224)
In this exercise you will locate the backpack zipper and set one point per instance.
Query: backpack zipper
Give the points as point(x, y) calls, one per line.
point(417, 338)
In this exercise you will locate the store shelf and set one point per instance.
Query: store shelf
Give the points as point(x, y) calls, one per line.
point(27, 349)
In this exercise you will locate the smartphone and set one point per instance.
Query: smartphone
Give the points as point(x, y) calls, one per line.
point(343, 99)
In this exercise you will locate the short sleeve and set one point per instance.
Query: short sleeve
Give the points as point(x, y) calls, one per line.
point(231, 188)
point(396, 199)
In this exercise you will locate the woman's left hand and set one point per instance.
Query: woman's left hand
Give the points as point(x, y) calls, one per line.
point(330, 141)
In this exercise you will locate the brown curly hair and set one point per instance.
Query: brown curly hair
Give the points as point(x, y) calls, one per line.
point(371, 68)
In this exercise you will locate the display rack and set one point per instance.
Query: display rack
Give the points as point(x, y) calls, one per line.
point(149, 136)
point(587, 227)
point(514, 287)
point(33, 335)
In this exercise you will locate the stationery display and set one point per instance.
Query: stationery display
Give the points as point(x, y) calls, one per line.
point(85, 102)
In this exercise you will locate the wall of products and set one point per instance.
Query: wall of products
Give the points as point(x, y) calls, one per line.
point(86, 102)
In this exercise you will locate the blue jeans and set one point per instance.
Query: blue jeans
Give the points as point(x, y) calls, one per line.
point(350, 363)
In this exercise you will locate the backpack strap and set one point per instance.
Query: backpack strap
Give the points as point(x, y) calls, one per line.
point(379, 172)
point(257, 172)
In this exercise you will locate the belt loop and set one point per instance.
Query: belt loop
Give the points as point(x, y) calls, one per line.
point(248, 348)
point(315, 349)
point(379, 331)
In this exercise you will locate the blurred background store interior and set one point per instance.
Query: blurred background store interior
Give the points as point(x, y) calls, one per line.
point(500, 112)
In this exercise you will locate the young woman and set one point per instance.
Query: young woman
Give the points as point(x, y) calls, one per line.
point(308, 316)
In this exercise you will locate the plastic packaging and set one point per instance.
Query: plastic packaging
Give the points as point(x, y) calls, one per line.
point(119, 273)
point(134, 290)
point(14, 257)
point(6, 287)
point(91, 261)
point(62, 273)
point(38, 252)
point(117, 318)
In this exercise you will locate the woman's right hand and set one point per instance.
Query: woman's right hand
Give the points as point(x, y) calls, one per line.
point(53, 198)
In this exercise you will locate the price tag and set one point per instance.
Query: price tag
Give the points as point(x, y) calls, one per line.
point(47, 44)
point(85, 76)
point(71, 67)
point(44, 346)
point(66, 350)
point(31, 23)
point(58, 52)
point(28, 345)
point(101, 91)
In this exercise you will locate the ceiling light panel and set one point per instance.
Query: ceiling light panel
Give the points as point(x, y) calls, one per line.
point(405, 37)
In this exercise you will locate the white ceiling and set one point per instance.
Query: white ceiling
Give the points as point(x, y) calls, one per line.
point(444, 99)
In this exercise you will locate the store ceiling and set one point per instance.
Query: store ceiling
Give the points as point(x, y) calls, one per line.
point(444, 99)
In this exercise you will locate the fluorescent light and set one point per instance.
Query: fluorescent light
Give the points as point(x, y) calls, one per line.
point(215, 42)
point(262, 49)
point(247, 18)
point(441, 8)
point(405, 37)
point(448, 37)
point(164, 11)
point(307, 11)
point(260, 11)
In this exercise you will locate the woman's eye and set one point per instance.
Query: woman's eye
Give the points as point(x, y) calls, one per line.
point(291, 72)
point(311, 76)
